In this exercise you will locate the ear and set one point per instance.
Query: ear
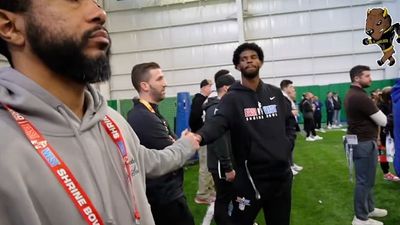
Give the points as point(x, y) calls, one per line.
point(144, 86)
point(236, 67)
point(368, 11)
point(9, 29)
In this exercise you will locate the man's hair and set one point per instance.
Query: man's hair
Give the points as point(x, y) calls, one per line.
point(219, 74)
point(357, 71)
point(140, 72)
point(285, 83)
point(223, 78)
point(247, 46)
point(16, 6)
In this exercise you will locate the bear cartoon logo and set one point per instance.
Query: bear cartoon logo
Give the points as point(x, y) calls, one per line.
point(381, 31)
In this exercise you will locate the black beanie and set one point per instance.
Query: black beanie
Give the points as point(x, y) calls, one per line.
point(226, 79)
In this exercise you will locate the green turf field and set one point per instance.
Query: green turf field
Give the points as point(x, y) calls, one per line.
point(322, 192)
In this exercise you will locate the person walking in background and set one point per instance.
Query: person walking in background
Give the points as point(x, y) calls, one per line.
point(289, 91)
point(337, 106)
point(219, 154)
point(261, 127)
point(206, 191)
point(308, 116)
point(363, 118)
point(385, 105)
point(329, 110)
point(165, 193)
point(68, 158)
point(317, 114)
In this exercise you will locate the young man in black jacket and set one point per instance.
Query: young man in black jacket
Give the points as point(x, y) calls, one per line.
point(261, 128)
point(219, 154)
point(165, 193)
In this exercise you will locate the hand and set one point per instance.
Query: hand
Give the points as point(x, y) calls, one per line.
point(198, 137)
point(192, 138)
point(230, 176)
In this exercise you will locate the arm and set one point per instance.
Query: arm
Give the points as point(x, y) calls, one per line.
point(160, 162)
point(290, 122)
point(217, 125)
point(379, 118)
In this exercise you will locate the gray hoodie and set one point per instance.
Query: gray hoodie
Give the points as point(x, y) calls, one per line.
point(30, 193)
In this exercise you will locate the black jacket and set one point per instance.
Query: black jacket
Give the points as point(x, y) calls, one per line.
point(154, 133)
point(218, 152)
point(337, 103)
point(196, 112)
point(308, 112)
point(260, 124)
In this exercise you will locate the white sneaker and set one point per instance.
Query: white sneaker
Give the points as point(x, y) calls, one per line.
point(322, 130)
point(357, 221)
point(294, 172)
point(318, 137)
point(329, 127)
point(378, 213)
point(297, 167)
point(310, 138)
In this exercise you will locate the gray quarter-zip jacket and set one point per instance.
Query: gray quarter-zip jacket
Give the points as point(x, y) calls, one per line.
point(29, 192)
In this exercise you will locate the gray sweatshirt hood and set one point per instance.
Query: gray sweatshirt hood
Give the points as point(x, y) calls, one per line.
point(48, 112)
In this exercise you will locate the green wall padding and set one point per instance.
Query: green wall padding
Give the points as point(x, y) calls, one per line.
point(341, 89)
point(113, 104)
point(168, 106)
point(125, 106)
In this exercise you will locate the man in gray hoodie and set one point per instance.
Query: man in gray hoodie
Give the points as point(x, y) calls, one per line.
point(65, 157)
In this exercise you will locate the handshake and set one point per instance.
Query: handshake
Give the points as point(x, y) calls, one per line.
point(193, 138)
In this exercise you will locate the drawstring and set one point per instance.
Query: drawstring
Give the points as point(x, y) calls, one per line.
point(258, 196)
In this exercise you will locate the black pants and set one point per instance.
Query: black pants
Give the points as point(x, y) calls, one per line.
point(275, 200)
point(225, 193)
point(309, 126)
point(176, 212)
point(329, 118)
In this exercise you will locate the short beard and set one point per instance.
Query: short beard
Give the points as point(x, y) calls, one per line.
point(157, 96)
point(65, 56)
point(365, 85)
point(251, 75)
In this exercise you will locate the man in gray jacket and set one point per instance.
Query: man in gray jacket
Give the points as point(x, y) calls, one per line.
point(67, 158)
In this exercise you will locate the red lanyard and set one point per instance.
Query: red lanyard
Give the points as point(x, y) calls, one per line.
point(64, 175)
point(116, 135)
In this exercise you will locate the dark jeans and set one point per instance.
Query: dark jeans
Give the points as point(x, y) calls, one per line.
point(225, 194)
point(275, 200)
point(317, 120)
point(365, 160)
point(176, 212)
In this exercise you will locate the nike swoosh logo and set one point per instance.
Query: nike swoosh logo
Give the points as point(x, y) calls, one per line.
point(271, 98)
